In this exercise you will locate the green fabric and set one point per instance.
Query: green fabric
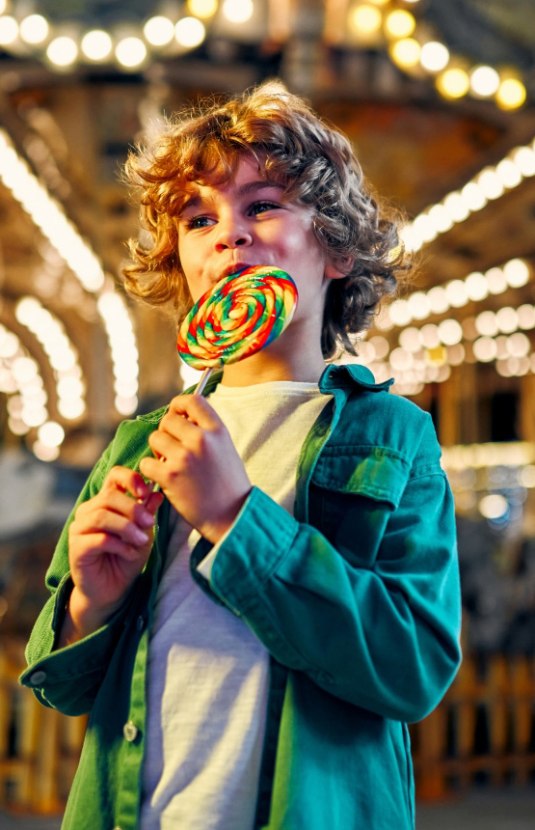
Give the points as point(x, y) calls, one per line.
point(356, 598)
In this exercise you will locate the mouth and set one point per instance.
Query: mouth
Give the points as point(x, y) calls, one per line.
point(234, 268)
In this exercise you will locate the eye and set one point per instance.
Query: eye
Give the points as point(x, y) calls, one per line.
point(197, 222)
point(262, 207)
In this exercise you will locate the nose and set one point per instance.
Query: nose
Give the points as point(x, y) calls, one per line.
point(233, 233)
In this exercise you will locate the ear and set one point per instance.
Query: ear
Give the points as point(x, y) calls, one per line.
point(338, 269)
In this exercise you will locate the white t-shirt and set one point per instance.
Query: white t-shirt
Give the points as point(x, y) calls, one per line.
point(208, 674)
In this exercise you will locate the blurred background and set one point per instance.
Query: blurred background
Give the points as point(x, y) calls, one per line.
point(439, 101)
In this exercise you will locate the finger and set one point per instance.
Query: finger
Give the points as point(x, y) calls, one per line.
point(166, 446)
point(176, 426)
point(127, 480)
point(119, 502)
point(195, 409)
point(153, 469)
point(110, 522)
point(153, 503)
point(98, 544)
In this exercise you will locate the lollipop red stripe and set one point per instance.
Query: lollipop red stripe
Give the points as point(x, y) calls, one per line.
point(240, 315)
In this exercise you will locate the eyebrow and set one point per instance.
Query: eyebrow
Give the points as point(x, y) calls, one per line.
point(197, 200)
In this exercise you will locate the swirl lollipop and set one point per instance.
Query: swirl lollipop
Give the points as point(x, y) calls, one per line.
point(240, 315)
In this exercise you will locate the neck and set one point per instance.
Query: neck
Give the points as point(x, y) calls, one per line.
point(284, 359)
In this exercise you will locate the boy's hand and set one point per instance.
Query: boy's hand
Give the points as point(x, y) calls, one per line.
point(110, 539)
point(197, 466)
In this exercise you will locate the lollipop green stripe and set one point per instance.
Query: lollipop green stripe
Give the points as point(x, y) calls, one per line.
point(242, 314)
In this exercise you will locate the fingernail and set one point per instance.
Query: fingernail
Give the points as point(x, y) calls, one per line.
point(140, 490)
point(146, 519)
point(140, 536)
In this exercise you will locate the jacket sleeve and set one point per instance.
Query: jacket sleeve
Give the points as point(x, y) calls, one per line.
point(68, 678)
point(372, 613)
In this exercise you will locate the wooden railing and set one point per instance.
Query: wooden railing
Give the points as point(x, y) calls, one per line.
point(39, 748)
point(484, 731)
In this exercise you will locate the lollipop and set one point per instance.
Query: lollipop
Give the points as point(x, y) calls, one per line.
point(240, 315)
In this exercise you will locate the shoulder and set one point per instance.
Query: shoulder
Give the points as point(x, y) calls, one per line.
point(373, 416)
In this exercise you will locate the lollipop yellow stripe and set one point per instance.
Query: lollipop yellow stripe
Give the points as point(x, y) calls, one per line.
point(242, 314)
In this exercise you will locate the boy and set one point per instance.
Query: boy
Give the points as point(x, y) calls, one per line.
point(252, 638)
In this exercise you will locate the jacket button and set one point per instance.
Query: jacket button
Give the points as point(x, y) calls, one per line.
point(38, 677)
point(130, 731)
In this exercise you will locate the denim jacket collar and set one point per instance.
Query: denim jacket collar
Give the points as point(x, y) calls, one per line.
point(334, 376)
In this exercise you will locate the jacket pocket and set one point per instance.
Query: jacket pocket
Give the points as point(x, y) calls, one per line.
point(353, 492)
point(377, 472)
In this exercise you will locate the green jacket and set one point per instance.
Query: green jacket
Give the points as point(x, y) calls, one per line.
point(356, 598)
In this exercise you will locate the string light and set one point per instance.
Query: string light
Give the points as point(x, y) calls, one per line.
point(484, 81)
point(405, 52)
point(368, 22)
point(61, 352)
point(489, 184)
point(34, 29)
point(189, 32)
point(494, 506)
point(511, 94)
point(455, 294)
point(364, 22)
point(131, 52)
point(426, 354)
point(62, 51)
point(123, 348)
point(205, 9)
point(51, 434)
point(399, 23)
point(48, 215)
point(454, 77)
point(238, 11)
point(476, 287)
point(434, 56)
point(421, 352)
point(159, 30)
point(453, 83)
point(509, 173)
point(9, 30)
point(21, 381)
point(96, 45)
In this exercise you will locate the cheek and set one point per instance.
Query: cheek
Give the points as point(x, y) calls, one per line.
point(300, 238)
point(189, 257)
point(293, 235)
point(183, 241)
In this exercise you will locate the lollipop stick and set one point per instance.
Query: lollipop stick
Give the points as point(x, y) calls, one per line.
point(203, 381)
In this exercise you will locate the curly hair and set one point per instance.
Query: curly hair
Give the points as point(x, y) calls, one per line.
point(314, 163)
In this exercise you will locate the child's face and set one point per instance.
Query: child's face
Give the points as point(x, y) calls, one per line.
point(244, 222)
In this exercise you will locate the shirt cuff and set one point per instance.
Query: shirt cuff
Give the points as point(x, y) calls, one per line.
point(204, 567)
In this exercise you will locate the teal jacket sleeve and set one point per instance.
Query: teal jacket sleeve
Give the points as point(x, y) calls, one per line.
point(69, 678)
point(371, 614)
